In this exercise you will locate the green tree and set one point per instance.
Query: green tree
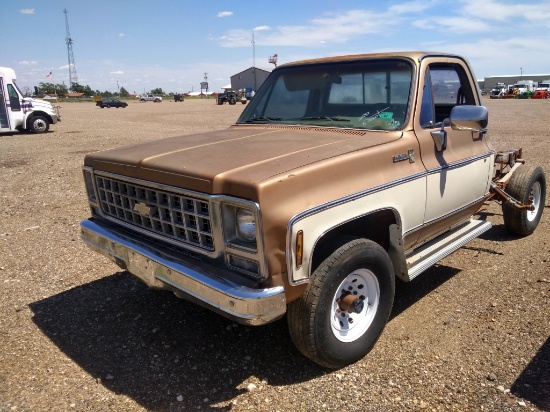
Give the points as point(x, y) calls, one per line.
point(88, 91)
point(50, 88)
point(76, 88)
point(124, 92)
point(157, 91)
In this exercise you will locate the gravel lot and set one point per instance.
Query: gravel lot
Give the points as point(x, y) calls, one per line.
point(472, 333)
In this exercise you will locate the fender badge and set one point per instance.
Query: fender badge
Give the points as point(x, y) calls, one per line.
point(142, 209)
point(405, 156)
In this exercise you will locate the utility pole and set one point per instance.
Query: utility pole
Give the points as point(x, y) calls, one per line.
point(254, 59)
point(72, 66)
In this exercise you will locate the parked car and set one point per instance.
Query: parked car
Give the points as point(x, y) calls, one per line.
point(150, 98)
point(110, 102)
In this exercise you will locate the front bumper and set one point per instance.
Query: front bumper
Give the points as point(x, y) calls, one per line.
point(195, 280)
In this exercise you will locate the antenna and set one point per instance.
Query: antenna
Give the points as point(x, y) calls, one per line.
point(273, 59)
point(72, 66)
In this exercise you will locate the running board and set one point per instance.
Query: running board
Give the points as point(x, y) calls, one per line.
point(432, 252)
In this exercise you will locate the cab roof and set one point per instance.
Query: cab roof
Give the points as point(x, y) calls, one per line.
point(413, 55)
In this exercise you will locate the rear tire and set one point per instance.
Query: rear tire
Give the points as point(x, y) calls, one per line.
point(328, 334)
point(527, 185)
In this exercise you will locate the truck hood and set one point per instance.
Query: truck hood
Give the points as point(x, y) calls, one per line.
point(235, 160)
point(36, 104)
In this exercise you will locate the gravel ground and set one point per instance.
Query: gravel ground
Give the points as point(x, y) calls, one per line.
point(472, 333)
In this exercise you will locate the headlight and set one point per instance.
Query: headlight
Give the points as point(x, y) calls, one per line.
point(246, 225)
point(88, 180)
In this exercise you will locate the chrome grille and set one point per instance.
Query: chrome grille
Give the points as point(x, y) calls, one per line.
point(179, 217)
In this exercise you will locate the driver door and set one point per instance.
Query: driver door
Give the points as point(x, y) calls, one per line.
point(459, 174)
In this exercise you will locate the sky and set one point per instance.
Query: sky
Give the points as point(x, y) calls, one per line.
point(175, 45)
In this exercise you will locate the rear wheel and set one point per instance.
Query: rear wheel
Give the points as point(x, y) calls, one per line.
point(38, 124)
point(527, 185)
point(346, 305)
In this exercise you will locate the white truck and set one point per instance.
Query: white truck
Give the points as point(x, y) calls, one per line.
point(148, 97)
point(525, 86)
point(498, 91)
point(20, 113)
point(544, 85)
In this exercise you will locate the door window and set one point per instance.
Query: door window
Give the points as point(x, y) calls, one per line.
point(445, 87)
point(14, 98)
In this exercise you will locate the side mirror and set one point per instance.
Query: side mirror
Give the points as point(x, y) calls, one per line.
point(463, 117)
point(472, 118)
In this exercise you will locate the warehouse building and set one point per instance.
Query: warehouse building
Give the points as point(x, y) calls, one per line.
point(249, 79)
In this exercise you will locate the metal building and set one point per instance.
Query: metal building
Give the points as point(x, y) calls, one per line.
point(249, 79)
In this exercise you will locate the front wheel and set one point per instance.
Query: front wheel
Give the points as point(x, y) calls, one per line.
point(527, 185)
point(38, 124)
point(346, 305)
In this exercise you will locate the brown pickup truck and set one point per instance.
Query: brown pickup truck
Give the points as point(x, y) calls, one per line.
point(341, 175)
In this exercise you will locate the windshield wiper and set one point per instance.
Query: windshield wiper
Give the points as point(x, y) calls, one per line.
point(332, 119)
point(262, 119)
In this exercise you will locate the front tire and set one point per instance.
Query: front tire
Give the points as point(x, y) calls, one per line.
point(527, 185)
point(345, 306)
point(38, 124)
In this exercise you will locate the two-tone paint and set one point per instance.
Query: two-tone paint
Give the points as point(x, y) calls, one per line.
point(395, 187)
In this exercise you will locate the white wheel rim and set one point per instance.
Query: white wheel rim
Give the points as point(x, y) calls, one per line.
point(348, 327)
point(40, 125)
point(536, 195)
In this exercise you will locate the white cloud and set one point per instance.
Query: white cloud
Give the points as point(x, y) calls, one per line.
point(28, 63)
point(225, 13)
point(485, 52)
point(26, 11)
point(412, 6)
point(121, 35)
point(117, 72)
point(453, 24)
point(330, 29)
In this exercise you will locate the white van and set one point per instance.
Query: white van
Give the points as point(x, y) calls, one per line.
point(23, 113)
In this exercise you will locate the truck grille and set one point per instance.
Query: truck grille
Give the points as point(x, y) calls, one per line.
point(179, 217)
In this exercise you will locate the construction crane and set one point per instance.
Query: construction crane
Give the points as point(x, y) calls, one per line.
point(72, 66)
point(273, 59)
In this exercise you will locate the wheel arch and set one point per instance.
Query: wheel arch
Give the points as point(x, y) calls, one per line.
point(29, 118)
point(382, 226)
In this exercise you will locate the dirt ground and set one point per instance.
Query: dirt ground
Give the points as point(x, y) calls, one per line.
point(471, 333)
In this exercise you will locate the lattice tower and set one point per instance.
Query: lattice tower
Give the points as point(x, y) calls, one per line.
point(68, 39)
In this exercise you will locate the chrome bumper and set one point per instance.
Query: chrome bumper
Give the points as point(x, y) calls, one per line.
point(196, 281)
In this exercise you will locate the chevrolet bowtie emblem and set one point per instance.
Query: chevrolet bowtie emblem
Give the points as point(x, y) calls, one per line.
point(142, 209)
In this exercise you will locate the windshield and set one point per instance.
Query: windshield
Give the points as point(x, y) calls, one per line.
point(18, 90)
point(362, 94)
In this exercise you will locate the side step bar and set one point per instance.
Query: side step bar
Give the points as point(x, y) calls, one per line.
point(430, 253)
